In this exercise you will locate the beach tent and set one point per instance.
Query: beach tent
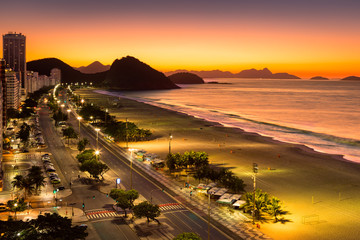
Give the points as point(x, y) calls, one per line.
point(158, 163)
point(212, 191)
point(221, 192)
point(150, 156)
point(238, 203)
point(202, 188)
point(236, 197)
point(226, 195)
point(225, 201)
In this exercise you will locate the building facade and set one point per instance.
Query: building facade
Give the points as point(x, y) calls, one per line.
point(2, 115)
point(35, 81)
point(12, 89)
point(14, 51)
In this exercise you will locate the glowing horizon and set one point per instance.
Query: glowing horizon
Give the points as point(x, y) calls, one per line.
point(304, 39)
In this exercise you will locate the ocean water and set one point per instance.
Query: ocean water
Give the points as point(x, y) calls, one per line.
point(323, 115)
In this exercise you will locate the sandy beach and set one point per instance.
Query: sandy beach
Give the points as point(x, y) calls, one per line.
point(320, 191)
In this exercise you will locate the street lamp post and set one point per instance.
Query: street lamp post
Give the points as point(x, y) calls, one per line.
point(97, 137)
point(68, 111)
point(170, 138)
point(82, 102)
point(255, 170)
point(79, 118)
point(62, 114)
point(15, 205)
point(106, 112)
point(131, 168)
point(209, 211)
point(127, 135)
point(97, 153)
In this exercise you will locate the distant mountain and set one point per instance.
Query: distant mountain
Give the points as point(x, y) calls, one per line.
point(351, 78)
point(95, 67)
point(249, 73)
point(129, 73)
point(186, 78)
point(319, 78)
point(68, 74)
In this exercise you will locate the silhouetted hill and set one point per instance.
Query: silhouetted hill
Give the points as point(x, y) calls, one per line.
point(319, 78)
point(186, 78)
point(205, 74)
point(129, 73)
point(351, 78)
point(68, 74)
point(249, 73)
point(95, 67)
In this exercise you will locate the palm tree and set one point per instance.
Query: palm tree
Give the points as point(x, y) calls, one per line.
point(18, 182)
point(274, 208)
point(261, 202)
point(28, 186)
point(36, 177)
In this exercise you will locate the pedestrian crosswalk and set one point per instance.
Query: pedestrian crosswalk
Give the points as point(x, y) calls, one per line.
point(102, 214)
point(167, 207)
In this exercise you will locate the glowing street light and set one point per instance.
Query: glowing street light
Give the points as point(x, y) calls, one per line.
point(97, 153)
point(92, 119)
point(82, 102)
point(68, 111)
point(62, 116)
point(131, 168)
point(97, 137)
point(170, 138)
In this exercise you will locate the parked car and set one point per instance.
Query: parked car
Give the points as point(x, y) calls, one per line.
point(55, 181)
point(50, 169)
point(3, 207)
point(47, 161)
point(54, 178)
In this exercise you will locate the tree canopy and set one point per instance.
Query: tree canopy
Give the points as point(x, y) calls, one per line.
point(148, 210)
point(124, 199)
point(187, 236)
point(45, 227)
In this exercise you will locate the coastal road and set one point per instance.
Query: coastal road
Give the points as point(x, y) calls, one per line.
point(67, 169)
point(178, 218)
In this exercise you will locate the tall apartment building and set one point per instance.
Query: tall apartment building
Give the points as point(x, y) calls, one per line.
point(12, 89)
point(3, 92)
point(2, 117)
point(14, 51)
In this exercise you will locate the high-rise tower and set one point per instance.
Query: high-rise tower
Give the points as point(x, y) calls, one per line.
point(14, 51)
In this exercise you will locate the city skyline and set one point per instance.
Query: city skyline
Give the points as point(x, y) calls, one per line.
point(301, 38)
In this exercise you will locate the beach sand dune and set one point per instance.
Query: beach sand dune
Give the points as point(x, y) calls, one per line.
point(320, 191)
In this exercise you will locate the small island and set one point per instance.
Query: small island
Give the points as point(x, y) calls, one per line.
point(319, 78)
point(186, 78)
point(352, 78)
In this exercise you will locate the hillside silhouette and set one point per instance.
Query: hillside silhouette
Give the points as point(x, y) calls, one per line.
point(186, 78)
point(248, 73)
point(95, 67)
point(129, 73)
point(68, 74)
point(353, 78)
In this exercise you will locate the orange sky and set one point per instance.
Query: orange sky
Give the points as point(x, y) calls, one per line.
point(301, 44)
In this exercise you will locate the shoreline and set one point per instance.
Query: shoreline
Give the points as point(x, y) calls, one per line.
point(302, 147)
point(307, 182)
